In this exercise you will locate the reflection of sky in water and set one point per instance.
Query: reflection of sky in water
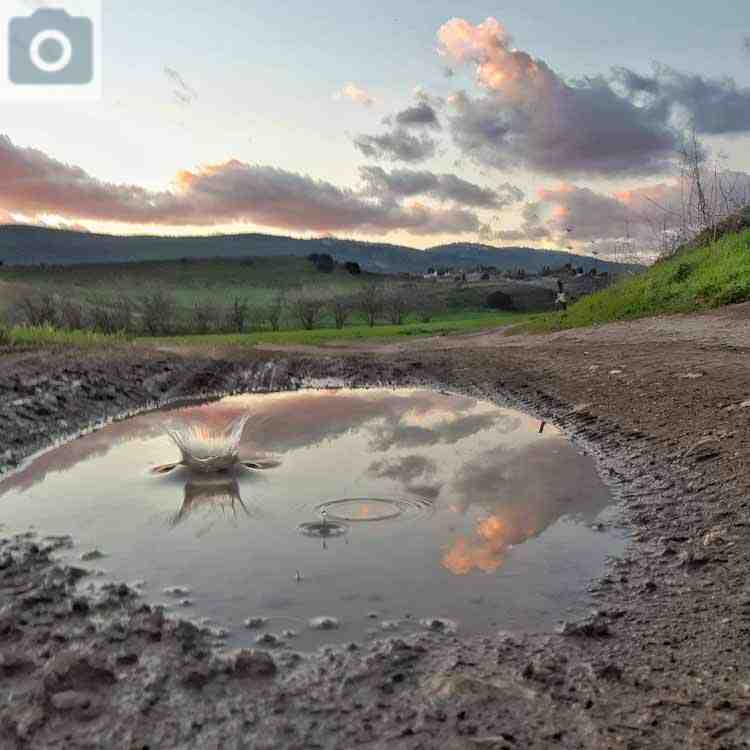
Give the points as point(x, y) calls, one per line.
point(505, 527)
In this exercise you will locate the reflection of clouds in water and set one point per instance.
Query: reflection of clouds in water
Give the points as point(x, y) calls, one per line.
point(485, 550)
point(396, 434)
point(525, 491)
point(279, 422)
point(407, 471)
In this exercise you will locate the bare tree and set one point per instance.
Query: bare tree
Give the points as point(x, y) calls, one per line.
point(428, 305)
point(307, 305)
point(40, 309)
point(206, 318)
point(369, 300)
point(158, 310)
point(342, 308)
point(274, 311)
point(398, 301)
point(238, 316)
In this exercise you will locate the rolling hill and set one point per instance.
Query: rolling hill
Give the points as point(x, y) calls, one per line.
point(27, 245)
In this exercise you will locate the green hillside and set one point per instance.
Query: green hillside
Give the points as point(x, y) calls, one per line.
point(696, 278)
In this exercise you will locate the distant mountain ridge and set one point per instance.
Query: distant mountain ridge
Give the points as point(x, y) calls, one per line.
point(27, 245)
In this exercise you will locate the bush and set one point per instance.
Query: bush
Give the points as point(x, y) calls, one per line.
point(72, 316)
point(6, 340)
point(114, 318)
point(40, 310)
point(500, 301)
point(353, 268)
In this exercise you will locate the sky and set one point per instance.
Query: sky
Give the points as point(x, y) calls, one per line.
point(538, 123)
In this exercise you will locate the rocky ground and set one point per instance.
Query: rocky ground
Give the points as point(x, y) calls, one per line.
point(661, 661)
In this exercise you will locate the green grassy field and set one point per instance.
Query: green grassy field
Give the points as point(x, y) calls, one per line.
point(253, 280)
point(694, 279)
point(23, 337)
point(455, 323)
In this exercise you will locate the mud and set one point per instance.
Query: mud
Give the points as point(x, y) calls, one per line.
point(661, 661)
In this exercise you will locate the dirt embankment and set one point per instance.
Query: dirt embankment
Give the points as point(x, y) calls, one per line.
point(662, 663)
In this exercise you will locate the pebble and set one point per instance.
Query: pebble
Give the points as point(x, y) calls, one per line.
point(439, 624)
point(324, 623)
point(255, 623)
point(176, 591)
point(94, 554)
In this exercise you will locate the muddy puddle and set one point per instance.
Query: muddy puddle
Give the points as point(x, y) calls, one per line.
point(350, 515)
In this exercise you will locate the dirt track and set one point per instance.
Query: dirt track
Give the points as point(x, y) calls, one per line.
point(664, 662)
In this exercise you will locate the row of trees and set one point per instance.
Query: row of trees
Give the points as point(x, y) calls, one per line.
point(157, 313)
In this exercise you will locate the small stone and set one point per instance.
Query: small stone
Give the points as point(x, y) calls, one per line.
point(268, 639)
point(289, 634)
point(593, 627)
point(176, 591)
point(93, 554)
point(70, 700)
point(325, 623)
point(186, 602)
point(252, 663)
point(390, 625)
point(255, 623)
point(439, 624)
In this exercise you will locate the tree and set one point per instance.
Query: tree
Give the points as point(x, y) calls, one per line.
point(307, 305)
point(500, 301)
point(238, 316)
point(326, 263)
point(342, 308)
point(353, 268)
point(274, 311)
point(398, 301)
point(369, 301)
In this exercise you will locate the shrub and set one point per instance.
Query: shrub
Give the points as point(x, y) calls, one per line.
point(500, 301)
point(40, 310)
point(353, 268)
point(72, 316)
point(6, 340)
point(114, 318)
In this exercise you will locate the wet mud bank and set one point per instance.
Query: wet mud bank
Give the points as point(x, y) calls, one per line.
point(660, 661)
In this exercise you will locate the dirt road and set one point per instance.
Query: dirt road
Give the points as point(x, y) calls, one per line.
point(663, 661)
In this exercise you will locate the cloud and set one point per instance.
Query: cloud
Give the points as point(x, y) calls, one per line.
point(401, 183)
point(34, 184)
point(713, 106)
point(396, 145)
point(183, 92)
point(570, 213)
point(531, 117)
point(356, 94)
point(421, 115)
